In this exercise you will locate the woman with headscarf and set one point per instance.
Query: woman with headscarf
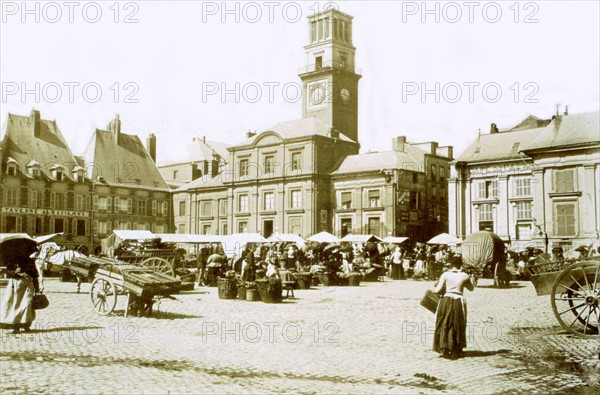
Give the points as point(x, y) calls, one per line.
point(17, 312)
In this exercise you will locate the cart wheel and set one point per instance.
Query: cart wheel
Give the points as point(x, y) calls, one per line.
point(500, 277)
point(159, 265)
point(575, 295)
point(104, 296)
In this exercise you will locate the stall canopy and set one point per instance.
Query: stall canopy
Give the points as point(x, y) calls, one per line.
point(47, 238)
point(134, 234)
point(186, 238)
point(395, 240)
point(361, 238)
point(445, 238)
point(287, 238)
point(324, 237)
point(234, 244)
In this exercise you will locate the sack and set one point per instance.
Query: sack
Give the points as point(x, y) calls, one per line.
point(40, 301)
point(430, 301)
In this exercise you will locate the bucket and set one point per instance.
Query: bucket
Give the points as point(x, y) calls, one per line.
point(252, 295)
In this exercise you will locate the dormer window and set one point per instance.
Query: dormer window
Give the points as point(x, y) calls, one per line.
point(11, 167)
point(78, 174)
point(57, 172)
point(33, 169)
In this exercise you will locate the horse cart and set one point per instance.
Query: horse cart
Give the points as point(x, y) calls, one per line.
point(574, 289)
point(484, 252)
point(111, 278)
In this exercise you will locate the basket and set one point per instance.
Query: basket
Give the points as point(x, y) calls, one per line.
point(241, 293)
point(271, 291)
point(315, 280)
point(252, 295)
point(430, 301)
point(354, 280)
point(227, 288)
point(304, 280)
point(548, 267)
point(326, 279)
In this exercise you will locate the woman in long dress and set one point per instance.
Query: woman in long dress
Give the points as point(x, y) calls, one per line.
point(16, 310)
point(451, 321)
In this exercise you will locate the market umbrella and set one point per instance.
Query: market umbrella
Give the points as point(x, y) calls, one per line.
point(14, 246)
point(445, 239)
point(324, 237)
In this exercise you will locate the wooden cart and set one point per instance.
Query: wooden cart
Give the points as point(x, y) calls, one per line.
point(141, 286)
point(574, 289)
point(160, 260)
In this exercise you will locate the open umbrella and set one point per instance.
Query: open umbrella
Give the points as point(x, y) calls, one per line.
point(15, 246)
point(444, 239)
point(324, 237)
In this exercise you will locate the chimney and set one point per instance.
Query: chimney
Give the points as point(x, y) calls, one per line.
point(398, 143)
point(250, 134)
point(214, 168)
point(204, 139)
point(450, 152)
point(35, 122)
point(151, 146)
point(566, 110)
point(433, 147)
point(115, 127)
point(493, 129)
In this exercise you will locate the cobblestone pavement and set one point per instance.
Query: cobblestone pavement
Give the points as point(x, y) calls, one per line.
point(375, 338)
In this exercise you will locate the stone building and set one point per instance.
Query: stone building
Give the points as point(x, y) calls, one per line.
point(128, 191)
point(535, 184)
point(43, 185)
point(295, 176)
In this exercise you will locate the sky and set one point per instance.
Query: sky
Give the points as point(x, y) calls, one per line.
point(158, 63)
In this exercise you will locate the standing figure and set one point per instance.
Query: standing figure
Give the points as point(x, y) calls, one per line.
point(450, 336)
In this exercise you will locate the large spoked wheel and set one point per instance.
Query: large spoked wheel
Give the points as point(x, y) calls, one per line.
point(501, 276)
point(575, 296)
point(104, 296)
point(159, 265)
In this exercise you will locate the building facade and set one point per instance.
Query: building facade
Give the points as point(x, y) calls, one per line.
point(536, 184)
point(306, 176)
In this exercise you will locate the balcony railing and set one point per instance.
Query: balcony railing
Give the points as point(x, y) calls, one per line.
point(328, 65)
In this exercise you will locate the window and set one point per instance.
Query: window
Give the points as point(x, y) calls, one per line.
point(244, 167)
point(122, 204)
point(154, 207)
point(414, 200)
point(485, 212)
point(13, 224)
point(346, 200)
point(57, 173)
point(318, 62)
point(206, 208)
point(346, 226)
point(175, 175)
point(432, 172)
point(269, 201)
point(442, 174)
point(415, 178)
point(433, 191)
point(141, 207)
point(223, 207)
point(34, 170)
point(524, 231)
point(522, 186)
point(564, 180)
point(242, 227)
point(206, 229)
point(78, 175)
point(487, 189)
point(296, 161)
point(11, 169)
point(565, 219)
point(523, 210)
point(295, 225)
point(182, 208)
point(12, 197)
point(269, 164)
point(101, 202)
point(36, 226)
point(79, 227)
point(243, 203)
point(374, 198)
point(296, 199)
point(59, 225)
point(224, 229)
point(164, 208)
point(80, 202)
point(102, 228)
point(59, 202)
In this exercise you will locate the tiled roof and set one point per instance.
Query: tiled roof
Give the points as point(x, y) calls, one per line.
point(299, 128)
point(204, 182)
point(410, 159)
point(49, 148)
point(198, 151)
point(135, 166)
point(562, 131)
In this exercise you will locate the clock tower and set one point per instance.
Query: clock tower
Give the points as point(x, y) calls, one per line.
point(329, 79)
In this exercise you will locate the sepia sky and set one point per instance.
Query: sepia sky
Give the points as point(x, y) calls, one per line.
point(174, 51)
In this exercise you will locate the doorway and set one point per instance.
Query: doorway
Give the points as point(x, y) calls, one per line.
point(267, 228)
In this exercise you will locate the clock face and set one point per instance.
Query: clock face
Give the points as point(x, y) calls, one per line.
point(317, 94)
point(345, 94)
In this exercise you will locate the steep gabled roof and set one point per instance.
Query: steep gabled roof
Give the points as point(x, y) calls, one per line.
point(303, 127)
point(48, 148)
point(135, 166)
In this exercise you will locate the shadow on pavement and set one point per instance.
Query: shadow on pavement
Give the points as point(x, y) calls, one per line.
point(161, 315)
point(62, 329)
point(475, 353)
point(512, 286)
